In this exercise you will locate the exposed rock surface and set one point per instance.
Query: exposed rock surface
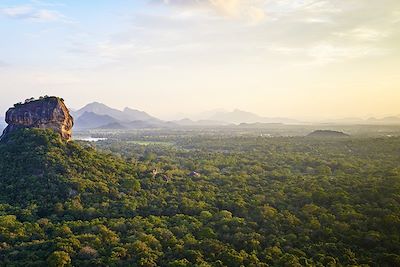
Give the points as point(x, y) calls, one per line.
point(45, 113)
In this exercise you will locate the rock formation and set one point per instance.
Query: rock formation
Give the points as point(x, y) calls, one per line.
point(327, 133)
point(44, 113)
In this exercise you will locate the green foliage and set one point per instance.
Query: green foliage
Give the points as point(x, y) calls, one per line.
point(257, 202)
point(59, 259)
point(44, 175)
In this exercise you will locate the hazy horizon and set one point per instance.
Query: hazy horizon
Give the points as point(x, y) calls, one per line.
point(205, 114)
point(291, 58)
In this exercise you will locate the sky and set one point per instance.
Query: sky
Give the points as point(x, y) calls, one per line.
point(286, 58)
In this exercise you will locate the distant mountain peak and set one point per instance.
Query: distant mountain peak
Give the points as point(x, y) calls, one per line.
point(95, 103)
point(126, 109)
point(96, 114)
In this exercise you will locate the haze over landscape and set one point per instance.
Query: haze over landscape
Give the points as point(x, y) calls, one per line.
point(200, 133)
point(305, 60)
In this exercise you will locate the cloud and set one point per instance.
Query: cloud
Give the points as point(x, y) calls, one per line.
point(229, 7)
point(294, 33)
point(46, 4)
point(252, 10)
point(29, 12)
point(325, 53)
point(364, 34)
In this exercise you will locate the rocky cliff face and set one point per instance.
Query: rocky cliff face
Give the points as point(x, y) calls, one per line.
point(45, 113)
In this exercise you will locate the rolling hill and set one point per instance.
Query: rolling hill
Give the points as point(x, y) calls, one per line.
point(327, 134)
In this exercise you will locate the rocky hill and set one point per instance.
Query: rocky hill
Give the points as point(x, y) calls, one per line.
point(44, 113)
point(327, 133)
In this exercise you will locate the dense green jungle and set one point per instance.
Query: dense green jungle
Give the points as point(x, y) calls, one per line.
point(193, 198)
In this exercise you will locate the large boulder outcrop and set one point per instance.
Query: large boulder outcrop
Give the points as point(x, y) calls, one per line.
point(44, 113)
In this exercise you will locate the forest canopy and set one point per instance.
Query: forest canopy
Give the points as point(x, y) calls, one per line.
point(199, 200)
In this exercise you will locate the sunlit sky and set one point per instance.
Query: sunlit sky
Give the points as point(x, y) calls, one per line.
point(293, 58)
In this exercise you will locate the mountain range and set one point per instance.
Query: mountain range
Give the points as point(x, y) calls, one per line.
point(239, 116)
point(385, 120)
point(389, 120)
point(99, 116)
point(127, 114)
